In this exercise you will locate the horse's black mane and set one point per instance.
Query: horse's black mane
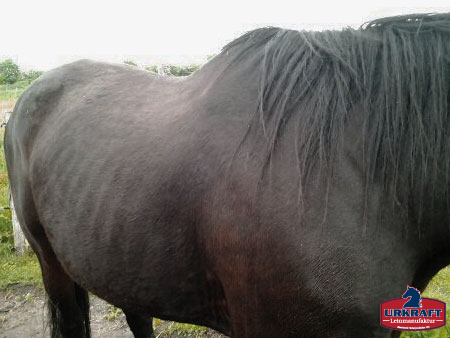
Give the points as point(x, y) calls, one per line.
point(396, 68)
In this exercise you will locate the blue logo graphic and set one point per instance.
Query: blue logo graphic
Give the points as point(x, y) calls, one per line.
point(414, 296)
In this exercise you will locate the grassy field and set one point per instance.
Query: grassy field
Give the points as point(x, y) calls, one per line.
point(25, 269)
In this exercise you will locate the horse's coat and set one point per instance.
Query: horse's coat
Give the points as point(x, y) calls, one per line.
point(284, 190)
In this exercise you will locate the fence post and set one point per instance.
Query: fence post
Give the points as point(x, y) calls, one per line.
point(20, 242)
point(21, 245)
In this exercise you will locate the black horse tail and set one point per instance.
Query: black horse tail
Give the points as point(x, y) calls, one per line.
point(82, 299)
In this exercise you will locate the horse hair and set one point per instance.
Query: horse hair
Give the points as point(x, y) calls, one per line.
point(397, 68)
point(55, 320)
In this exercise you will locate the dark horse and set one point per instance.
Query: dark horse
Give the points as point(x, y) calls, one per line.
point(284, 190)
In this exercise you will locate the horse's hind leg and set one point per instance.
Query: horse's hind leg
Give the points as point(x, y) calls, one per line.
point(140, 325)
point(68, 303)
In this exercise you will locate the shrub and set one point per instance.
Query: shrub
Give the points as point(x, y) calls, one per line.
point(9, 72)
point(172, 70)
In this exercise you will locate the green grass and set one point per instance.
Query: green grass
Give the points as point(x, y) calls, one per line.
point(113, 313)
point(180, 328)
point(24, 270)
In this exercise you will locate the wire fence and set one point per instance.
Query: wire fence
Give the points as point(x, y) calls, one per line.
point(8, 97)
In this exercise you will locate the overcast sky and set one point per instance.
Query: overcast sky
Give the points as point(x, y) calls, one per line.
point(44, 34)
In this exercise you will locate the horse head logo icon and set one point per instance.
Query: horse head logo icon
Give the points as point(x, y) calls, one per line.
point(415, 299)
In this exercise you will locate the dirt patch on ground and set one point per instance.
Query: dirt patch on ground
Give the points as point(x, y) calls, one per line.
point(6, 106)
point(23, 315)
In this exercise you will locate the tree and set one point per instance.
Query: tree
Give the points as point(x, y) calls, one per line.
point(9, 71)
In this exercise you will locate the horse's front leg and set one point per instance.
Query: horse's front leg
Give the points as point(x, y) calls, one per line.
point(140, 325)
